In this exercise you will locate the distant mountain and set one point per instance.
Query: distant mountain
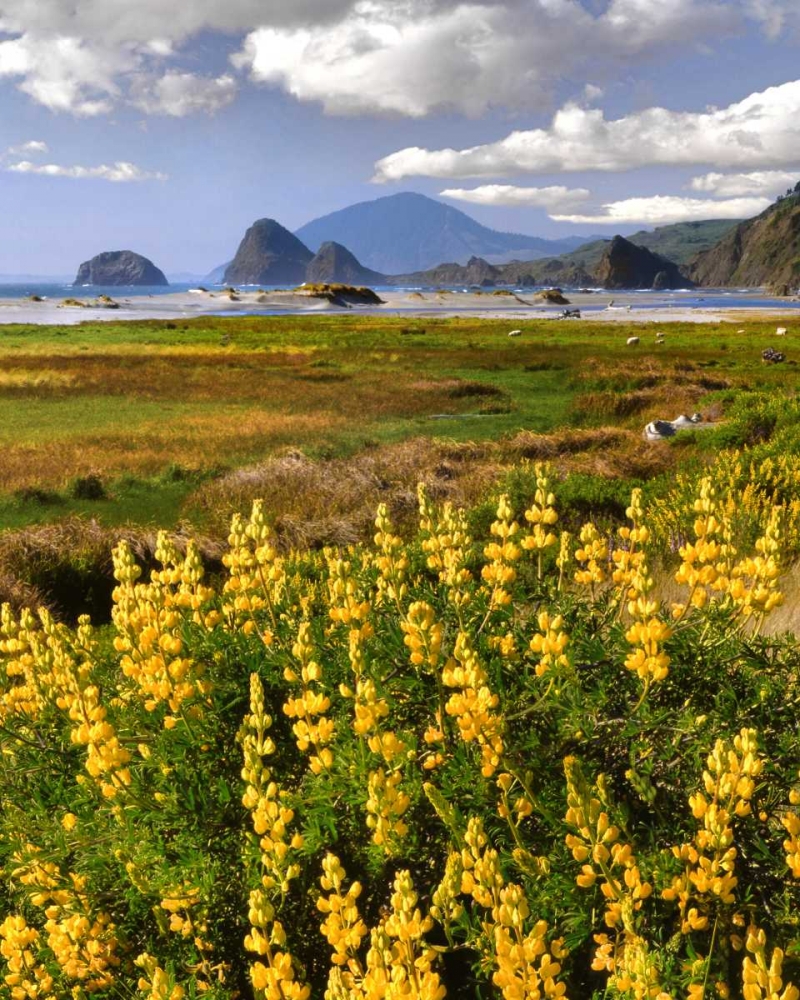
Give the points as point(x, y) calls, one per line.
point(550, 272)
point(217, 276)
point(622, 264)
point(334, 263)
point(268, 255)
point(476, 271)
point(120, 268)
point(563, 245)
point(761, 251)
point(407, 232)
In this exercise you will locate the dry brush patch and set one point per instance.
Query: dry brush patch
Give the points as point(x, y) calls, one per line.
point(199, 440)
point(314, 502)
point(67, 566)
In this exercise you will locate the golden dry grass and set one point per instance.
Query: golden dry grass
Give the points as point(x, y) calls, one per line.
point(198, 441)
point(192, 409)
point(321, 502)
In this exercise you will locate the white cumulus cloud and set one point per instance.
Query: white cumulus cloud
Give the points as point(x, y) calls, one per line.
point(763, 130)
point(661, 210)
point(65, 73)
point(179, 94)
point(408, 57)
point(142, 21)
point(555, 197)
point(31, 148)
point(766, 183)
point(417, 56)
point(118, 173)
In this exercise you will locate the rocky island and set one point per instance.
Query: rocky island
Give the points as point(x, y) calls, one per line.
point(269, 255)
point(335, 263)
point(625, 265)
point(118, 268)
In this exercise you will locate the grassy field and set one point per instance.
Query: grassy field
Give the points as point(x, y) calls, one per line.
point(154, 409)
point(116, 428)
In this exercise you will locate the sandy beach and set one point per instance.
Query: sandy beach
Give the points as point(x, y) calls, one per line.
point(607, 307)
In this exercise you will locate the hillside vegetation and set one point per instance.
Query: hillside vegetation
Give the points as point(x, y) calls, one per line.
point(762, 251)
point(679, 243)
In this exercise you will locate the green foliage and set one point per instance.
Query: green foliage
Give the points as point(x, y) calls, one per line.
point(121, 756)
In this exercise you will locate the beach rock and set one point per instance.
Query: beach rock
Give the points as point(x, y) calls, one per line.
point(625, 265)
point(553, 296)
point(342, 295)
point(120, 267)
point(268, 255)
point(334, 263)
point(781, 290)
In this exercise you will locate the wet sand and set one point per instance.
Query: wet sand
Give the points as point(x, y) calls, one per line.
point(626, 308)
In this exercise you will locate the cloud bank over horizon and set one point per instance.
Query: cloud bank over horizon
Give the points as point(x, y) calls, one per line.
point(664, 210)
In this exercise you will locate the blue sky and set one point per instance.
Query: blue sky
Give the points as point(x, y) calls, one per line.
point(167, 127)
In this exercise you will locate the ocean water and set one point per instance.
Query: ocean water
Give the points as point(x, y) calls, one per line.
point(58, 292)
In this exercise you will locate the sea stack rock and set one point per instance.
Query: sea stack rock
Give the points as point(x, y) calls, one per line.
point(334, 263)
point(120, 267)
point(626, 265)
point(268, 255)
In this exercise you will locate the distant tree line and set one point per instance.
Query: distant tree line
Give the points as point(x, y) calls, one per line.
point(789, 192)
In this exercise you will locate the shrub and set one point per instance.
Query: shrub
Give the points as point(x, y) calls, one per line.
point(436, 762)
point(88, 487)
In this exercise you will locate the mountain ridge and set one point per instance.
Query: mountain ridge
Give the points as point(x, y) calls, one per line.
point(425, 233)
point(623, 264)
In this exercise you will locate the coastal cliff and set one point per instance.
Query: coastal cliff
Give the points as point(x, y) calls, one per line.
point(761, 251)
